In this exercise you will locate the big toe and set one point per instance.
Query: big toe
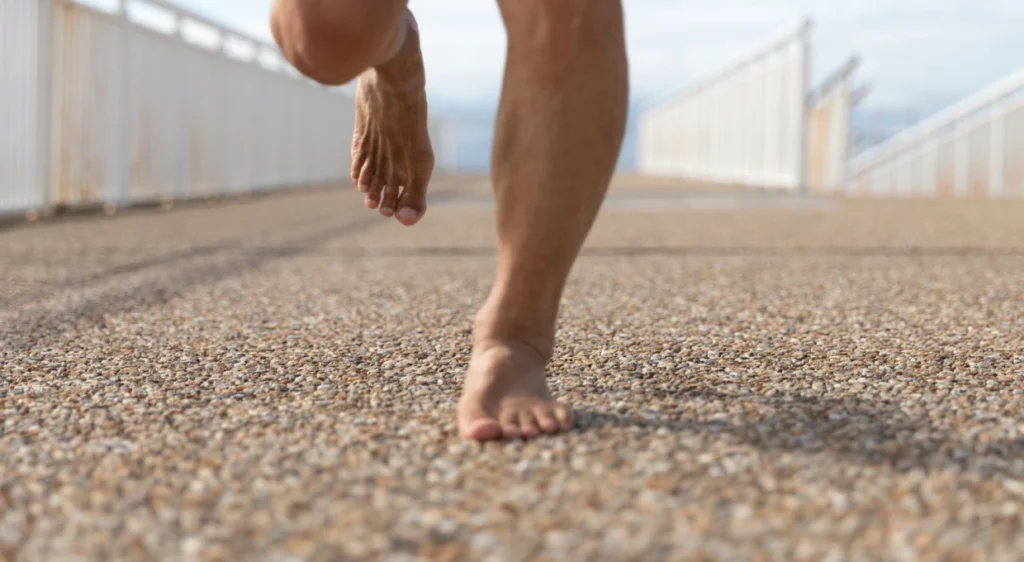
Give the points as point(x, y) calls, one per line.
point(408, 216)
point(411, 208)
point(413, 203)
point(477, 425)
point(483, 430)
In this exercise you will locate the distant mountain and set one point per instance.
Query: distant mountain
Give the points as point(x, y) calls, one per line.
point(872, 126)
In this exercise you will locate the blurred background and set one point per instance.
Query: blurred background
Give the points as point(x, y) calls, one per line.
point(114, 102)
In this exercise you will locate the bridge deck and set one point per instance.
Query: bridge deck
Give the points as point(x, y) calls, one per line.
point(274, 380)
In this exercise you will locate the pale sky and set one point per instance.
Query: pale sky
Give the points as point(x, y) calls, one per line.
point(918, 54)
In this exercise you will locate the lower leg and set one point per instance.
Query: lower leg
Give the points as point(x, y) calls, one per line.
point(335, 41)
point(560, 130)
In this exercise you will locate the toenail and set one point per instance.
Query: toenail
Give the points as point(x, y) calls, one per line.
point(408, 214)
point(386, 211)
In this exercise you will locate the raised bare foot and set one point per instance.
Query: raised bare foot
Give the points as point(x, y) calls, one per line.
point(506, 396)
point(392, 159)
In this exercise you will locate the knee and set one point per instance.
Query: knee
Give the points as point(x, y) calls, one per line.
point(334, 41)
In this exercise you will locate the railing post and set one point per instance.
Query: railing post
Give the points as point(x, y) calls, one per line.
point(46, 60)
point(671, 140)
point(749, 132)
point(876, 179)
point(181, 170)
point(714, 97)
point(123, 157)
point(997, 151)
point(929, 166)
point(901, 162)
point(961, 159)
point(802, 83)
point(773, 102)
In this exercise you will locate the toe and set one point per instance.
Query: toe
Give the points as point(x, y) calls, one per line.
point(366, 176)
point(546, 419)
point(511, 431)
point(413, 203)
point(373, 194)
point(360, 153)
point(407, 215)
point(357, 170)
point(564, 417)
point(482, 430)
point(389, 202)
point(510, 428)
point(412, 206)
point(528, 424)
point(476, 424)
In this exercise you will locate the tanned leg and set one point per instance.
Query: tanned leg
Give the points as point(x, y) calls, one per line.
point(560, 129)
point(336, 41)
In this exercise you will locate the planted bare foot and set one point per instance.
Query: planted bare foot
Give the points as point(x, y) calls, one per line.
point(392, 158)
point(506, 396)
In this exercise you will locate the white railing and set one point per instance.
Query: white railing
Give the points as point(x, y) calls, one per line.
point(150, 102)
point(24, 48)
point(974, 148)
point(742, 126)
point(828, 129)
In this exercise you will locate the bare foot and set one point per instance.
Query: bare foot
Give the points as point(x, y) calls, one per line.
point(506, 396)
point(392, 159)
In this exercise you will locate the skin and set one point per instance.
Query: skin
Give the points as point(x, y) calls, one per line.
point(559, 133)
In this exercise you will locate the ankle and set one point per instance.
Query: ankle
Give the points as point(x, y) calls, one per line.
point(494, 332)
point(501, 350)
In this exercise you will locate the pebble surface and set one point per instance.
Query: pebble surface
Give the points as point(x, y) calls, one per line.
point(274, 380)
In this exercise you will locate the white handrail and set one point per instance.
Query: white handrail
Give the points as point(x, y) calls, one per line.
point(748, 59)
point(180, 12)
point(835, 80)
point(996, 92)
point(742, 125)
point(260, 47)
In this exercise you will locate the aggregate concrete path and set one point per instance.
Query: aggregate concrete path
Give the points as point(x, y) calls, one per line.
point(274, 380)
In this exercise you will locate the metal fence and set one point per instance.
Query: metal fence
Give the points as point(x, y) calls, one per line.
point(828, 129)
point(149, 102)
point(24, 46)
point(743, 126)
point(973, 149)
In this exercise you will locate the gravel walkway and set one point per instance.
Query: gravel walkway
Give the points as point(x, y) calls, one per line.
point(274, 380)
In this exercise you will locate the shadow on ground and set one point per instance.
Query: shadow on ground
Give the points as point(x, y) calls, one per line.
point(861, 431)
